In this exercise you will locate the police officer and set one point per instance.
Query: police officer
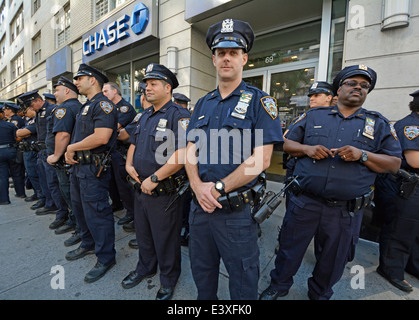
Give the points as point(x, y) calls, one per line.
point(340, 150)
point(50, 98)
point(399, 244)
point(17, 168)
point(43, 110)
point(58, 138)
point(220, 221)
point(94, 136)
point(155, 160)
point(126, 114)
point(181, 100)
point(7, 155)
point(28, 137)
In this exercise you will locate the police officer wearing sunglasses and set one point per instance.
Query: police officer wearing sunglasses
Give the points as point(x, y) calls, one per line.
point(340, 150)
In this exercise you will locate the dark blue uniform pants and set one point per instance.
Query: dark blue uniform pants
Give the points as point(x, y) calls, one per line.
point(231, 237)
point(29, 159)
point(158, 237)
point(42, 157)
point(337, 235)
point(90, 204)
point(126, 193)
point(402, 250)
point(6, 156)
point(54, 189)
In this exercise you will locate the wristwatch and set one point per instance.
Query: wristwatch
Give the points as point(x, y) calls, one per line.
point(154, 178)
point(219, 186)
point(364, 157)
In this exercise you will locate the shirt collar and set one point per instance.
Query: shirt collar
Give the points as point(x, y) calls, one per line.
point(360, 113)
point(237, 92)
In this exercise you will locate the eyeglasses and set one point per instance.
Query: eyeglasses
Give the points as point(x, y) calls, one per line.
point(353, 84)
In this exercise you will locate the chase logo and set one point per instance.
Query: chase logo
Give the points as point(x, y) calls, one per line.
point(116, 29)
point(139, 18)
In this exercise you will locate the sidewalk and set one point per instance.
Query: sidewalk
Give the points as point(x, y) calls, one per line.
point(30, 249)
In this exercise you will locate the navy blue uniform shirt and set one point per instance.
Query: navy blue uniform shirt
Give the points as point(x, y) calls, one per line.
point(248, 110)
point(7, 133)
point(62, 119)
point(31, 126)
point(99, 112)
point(408, 133)
point(41, 120)
point(167, 125)
point(333, 178)
point(17, 121)
point(126, 112)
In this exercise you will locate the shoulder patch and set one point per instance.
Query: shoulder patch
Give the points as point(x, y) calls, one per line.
point(60, 113)
point(124, 109)
point(137, 118)
point(184, 123)
point(393, 131)
point(411, 132)
point(269, 104)
point(106, 106)
point(14, 122)
point(299, 118)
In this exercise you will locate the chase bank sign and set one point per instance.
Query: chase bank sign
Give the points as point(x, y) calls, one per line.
point(134, 23)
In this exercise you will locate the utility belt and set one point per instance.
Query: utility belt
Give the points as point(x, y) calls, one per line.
point(38, 146)
point(6, 146)
point(238, 200)
point(166, 187)
point(353, 206)
point(62, 165)
point(102, 161)
point(408, 183)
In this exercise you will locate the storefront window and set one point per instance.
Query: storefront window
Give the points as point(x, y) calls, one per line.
point(122, 77)
point(285, 46)
point(139, 73)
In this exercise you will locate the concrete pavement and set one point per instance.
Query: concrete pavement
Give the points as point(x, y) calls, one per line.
point(29, 250)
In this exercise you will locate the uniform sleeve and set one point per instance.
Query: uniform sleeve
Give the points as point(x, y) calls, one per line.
point(126, 115)
point(104, 115)
point(181, 123)
point(268, 121)
point(193, 122)
point(297, 129)
point(408, 134)
point(63, 121)
point(390, 144)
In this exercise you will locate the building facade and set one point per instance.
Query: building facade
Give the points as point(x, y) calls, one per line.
point(297, 42)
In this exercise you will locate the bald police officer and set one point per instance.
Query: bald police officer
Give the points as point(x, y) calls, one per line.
point(94, 136)
point(340, 150)
point(221, 222)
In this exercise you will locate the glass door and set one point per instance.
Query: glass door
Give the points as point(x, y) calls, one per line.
point(289, 85)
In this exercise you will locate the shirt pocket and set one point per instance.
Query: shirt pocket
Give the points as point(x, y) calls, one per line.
point(362, 142)
point(234, 123)
point(317, 136)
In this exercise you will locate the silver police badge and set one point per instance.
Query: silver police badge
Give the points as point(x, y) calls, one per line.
point(85, 110)
point(162, 125)
point(149, 68)
point(228, 26)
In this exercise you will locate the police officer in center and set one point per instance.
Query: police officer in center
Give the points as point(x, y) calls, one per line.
point(340, 150)
point(243, 122)
point(94, 136)
point(7, 155)
point(399, 243)
point(155, 160)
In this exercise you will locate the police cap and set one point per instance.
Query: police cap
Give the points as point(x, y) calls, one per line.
point(415, 96)
point(321, 87)
point(230, 34)
point(181, 98)
point(63, 81)
point(27, 98)
point(356, 70)
point(49, 96)
point(159, 71)
point(11, 106)
point(85, 70)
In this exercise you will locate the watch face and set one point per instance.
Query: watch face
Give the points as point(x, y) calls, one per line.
point(219, 186)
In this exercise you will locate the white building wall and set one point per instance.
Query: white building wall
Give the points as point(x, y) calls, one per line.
point(393, 54)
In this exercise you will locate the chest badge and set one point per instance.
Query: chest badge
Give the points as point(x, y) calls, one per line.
point(162, 126)
point(369, 128)
point(240, 110)
point(85, 110)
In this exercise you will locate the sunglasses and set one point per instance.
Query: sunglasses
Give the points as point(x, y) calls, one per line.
point(353, 84)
